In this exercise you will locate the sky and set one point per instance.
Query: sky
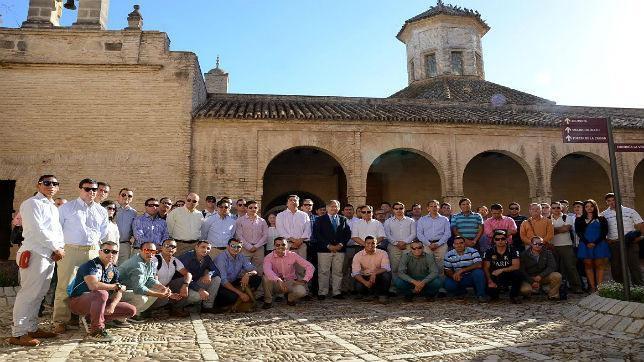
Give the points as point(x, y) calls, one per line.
point(574, 52)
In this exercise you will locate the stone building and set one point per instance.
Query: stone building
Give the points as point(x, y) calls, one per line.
point(118, 105)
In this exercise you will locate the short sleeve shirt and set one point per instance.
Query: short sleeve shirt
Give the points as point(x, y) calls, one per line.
point(166, 271)
point(109, 275)
point(499, 261)
point(467, 225)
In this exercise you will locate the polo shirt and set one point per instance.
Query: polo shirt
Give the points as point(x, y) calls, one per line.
point(562, 239)
point(456, 262)
point(500, 261)
point(467, 225)
point(165, 270)
point(109, 275)
point(630, 217)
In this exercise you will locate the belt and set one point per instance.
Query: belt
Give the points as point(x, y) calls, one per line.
point(219, 247)
point(433, 241)
point(186, 241)
point(82, 247)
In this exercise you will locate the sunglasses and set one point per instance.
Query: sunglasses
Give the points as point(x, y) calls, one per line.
point(49, 183)
point(149, 250)
point(556, 207)
point(252, 207)
point(170, 246)
point(111, 208)
point(240, 204)
point(398, 208)
point(167, 203)
point(129, 196)
point(90, 189)
point(514, 208)
point(416, 248)
point(499, 239)
point(366, 212)
point(190, 201)
point(236, 246)
point(152, 205)
point(110, 251)
point(538, 244)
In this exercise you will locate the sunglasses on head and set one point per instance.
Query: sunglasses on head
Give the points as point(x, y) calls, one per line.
point(49, 183)
point(129, 196)
point(90, 189)
point(110, 251)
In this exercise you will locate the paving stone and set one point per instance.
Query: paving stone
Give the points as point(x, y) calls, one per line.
point(623, 324)
point(11, 300)
point(9, 292)
point(628, 309)
point(635, 327)
point(3, 301)
point(612, 322)
point(610, 304)
point(1, 292)
point(617, 307)
point(594, 319)
point(586, 316)
point(603, 320)
point(638, 313)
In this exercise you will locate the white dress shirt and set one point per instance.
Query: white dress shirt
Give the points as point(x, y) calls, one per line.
point(362, 229)
point(296, 225)
point(41, 226)
point(83, 224)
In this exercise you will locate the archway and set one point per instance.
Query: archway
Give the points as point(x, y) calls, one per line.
point(307, 172)
point(493, 177)
point(579, 177)
point(402, 175)
point(638, 186)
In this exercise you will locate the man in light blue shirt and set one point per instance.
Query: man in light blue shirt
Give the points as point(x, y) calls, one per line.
point(219, 228)
point(433, 230)
point(149, 226)
point(236, 273)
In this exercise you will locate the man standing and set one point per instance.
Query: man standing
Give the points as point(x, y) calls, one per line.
point(251, 230)
point(367, 226)
point(90, 293)
point(138, 273)
point(501, 266)
point(211, 207)
point(417, 273)
point(44, 242)
point(563, 251)
point(165, 205)
point(84, 225)
point(103, 192)
point(371, 271)
point(236, 273)
point(539, 268)
point(633, 231)
point(219, 228)
point(446, 210)
point(295, 226)
point(400, 230)
point(464, 268)
point(468, 224)
point(416, 212)
point(498, 222)
point(385, 206)
point(331, 233)
point(280, 275)
point(149, 227)
point(206, 282)
point(515, 214)
point(125, 215)
point(240, 209)
point(184, 223)
point(348, 212)
point(537, 225)
point(433, 230)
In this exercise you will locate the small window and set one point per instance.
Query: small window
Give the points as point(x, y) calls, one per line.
point(411, 71)
point(457, 63)
point(430, 65)
point(479, 64)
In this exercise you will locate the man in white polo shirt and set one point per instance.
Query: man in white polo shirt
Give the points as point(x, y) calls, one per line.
point(562, 242)
point(634, 225)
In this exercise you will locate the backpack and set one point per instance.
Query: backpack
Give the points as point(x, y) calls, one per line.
point(572, 235)
point(174, 263)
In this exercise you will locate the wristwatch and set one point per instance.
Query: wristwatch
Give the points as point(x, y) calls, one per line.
point(118, 287)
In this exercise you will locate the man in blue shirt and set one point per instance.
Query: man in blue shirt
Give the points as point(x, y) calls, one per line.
point(204, 273)
point(218, 228)
point(463, 268)
point(237, 273)
point(96, 292)
point(149, 226)
point(468, 224)
point(125, 215)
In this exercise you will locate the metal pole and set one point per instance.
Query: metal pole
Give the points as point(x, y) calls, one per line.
point(618, 209)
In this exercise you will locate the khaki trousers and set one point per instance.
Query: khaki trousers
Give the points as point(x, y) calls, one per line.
point(439, 256)
point(257, 259)
point(125, 252)
point(74, 256)
point(301, 251)
point(330, 265)
point(295, 290)
point(552, 281)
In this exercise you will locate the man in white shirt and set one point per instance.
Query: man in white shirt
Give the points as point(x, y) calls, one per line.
point(400, 231)
point(184, 224)
point(562, 242)
point(84, 225)
point(44, 241)
point(295, 226)
point(633, 224)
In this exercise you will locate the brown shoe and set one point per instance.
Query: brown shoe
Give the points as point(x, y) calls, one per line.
point(60, 328)
point(39, 333)
point(179, 313)
point(24, 340)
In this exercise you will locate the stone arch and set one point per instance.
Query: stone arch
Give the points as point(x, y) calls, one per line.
point(303, 170)
point(639, 187)
point(421, 179)
point(577, 169)
point(498, 176)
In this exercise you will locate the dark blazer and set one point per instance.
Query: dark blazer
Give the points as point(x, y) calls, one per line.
point(580, 229)
point(323, 233)
point(530, 268)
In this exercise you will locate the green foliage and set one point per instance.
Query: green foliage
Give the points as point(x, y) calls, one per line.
point(614, 290)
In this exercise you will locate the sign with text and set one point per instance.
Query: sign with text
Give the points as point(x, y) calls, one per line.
point(629, 147)
point(585, 130)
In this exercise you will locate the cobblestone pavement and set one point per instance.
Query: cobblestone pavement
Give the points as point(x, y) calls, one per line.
point(353, 330)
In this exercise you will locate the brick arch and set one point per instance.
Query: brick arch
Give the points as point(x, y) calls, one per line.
point(603, 162)
point(266, 159)
point(560, 185)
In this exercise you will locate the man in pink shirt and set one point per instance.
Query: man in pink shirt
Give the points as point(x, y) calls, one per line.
point(280, 274)
point(371, 270)
point(498, 222)
point(251, 230)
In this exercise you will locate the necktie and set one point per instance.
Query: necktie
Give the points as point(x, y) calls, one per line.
point(334, 222)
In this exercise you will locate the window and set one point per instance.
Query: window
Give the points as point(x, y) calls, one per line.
point(479, 64)
point(457, 63)
point(430, 65)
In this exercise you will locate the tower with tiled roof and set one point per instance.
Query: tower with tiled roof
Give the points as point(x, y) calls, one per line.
point(444, 40)
point(216, 79)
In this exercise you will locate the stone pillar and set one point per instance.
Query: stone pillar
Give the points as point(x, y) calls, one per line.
point(92, 14)
point(41, 13)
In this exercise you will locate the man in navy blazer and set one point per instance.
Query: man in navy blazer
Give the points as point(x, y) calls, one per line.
point(331, 233)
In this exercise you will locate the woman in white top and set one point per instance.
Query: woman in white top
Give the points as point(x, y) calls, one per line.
point(272, 233)
point(112, 229)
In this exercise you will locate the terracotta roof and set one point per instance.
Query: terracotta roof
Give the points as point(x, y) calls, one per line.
point(277, 107)
point(441, 8)
point(467, 89)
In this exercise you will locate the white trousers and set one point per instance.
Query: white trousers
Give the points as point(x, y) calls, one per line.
point(34, 284)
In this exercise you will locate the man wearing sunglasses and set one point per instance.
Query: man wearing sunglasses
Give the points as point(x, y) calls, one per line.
point(515, 214)
point(211, 207)
point(96, 292)
point(149, 227)
point(236, 273)
point(539, 269)
point(184, 223)
point(103, 191)
point(125, 215)
point(219, 228)
point(165, 205)
point(44, 240)
point(417, 273)
point(139, 275)
point(280, 274)
point(501, 266)
point(205, 279)
point(84, 225)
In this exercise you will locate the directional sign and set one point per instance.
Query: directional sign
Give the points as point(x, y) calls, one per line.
point(629, 147)
point(584, 130)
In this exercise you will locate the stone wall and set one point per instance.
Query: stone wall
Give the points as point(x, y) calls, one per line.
point(112, 105)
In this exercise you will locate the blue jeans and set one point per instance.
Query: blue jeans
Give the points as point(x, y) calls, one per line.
point(407, 289)
point(475, 278)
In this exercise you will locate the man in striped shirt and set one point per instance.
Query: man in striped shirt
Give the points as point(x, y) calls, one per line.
point(468, 224)
point(463, 268)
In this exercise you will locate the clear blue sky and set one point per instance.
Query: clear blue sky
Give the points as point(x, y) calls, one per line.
point(576, 52)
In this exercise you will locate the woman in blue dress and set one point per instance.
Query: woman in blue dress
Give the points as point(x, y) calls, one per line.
point(593, 248)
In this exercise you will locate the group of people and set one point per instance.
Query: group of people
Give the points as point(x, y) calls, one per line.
point(113, 266)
